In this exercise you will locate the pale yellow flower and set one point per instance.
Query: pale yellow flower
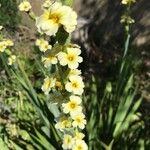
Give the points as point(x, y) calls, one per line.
point(43, 45)
point(49, 60)
point(71, 58)
point(49, 83)
point(57, 15)
point(68, 142)
point(73, 106)
point(47, 4)
point(80, 145)
point(75, 85)
point(9, 42)
point(11, 59)
point(126, 19)
point(79, 120)
point(12, 129)
point(74, 72)
point(78, 135)
point(2, 46)
point(25, 6)
point(63, 123)
point(1, 27)
point(127, 2)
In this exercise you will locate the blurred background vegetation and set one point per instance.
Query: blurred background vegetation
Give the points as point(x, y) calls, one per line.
point(117, 116)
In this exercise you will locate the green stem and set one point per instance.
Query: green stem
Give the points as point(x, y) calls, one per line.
point(126, 45)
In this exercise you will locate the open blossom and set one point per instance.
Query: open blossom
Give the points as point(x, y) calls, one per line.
point(49, 83)
point(68, 142)
point(25, 6)
point(1, 27)
point(9, 42)
point(79, 120)
point(70, 58)
point(49, 60)
point(126, 2)
point(74, 72)
point(80, 145)
point(43, 45)
point(63, 123)
point(75, 85)
point(73, 106)
point(4, 44)
point(56, 16)
point(78, 135)
point(47, 4)
point(11, 59)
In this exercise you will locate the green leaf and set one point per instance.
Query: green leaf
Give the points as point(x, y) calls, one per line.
point(43, 141)
point(3, 145)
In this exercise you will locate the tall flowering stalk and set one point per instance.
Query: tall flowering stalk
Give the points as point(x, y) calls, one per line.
point(65, 83)
point(127, 21)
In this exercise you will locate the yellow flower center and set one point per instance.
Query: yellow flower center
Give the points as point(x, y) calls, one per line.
point(79, 147)
point(54, 17)
point(50, 57)
point(72, 105)
point(66, 124)
point(68, 141)
point(70, 57)
point(48, 83)
point(78, 120)
point(46, 46)
point(75, 85)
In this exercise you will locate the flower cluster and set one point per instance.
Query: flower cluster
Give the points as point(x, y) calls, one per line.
point(126, 19)
point(66, 78)
point(5, 43)
point(25, 6)
point(54, 16)
point(128, 2)
point(4, 47)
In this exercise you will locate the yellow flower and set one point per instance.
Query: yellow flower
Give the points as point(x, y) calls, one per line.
point(79, 120)
point(126, 19)
point(1, 27)
point(80, 145)
point(126, 2)
point(12, 129)
point(25, 6)
point(63, 123)
point(57, 15)
point(72, 106)
point(8, 42)
point(49, 60)
point(75, 85)
point(74, 72)
point(67, 142)
point(71, 58)
point(78, 135)
point(47, 4)
point(43, 45)
point(2, 46)
point(49, 83)
point(11, 59)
